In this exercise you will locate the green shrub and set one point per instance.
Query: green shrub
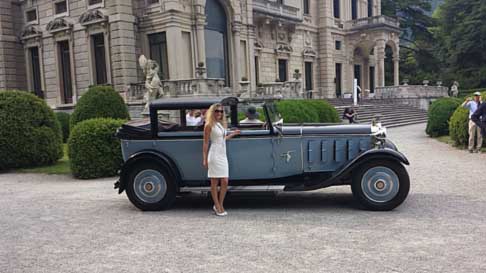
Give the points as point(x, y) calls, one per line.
point(99, 102)
point(93, 149)
point(440, 112)
point(63, 119)
point(327, 113)
point(307, 111)
point(297, 111)
point(30, 134)
point(459, 125)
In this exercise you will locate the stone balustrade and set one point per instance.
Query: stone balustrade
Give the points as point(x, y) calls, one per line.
point(181, 88)
point(279, 10)
point(375, 21)
point(280, 90)
point(419, 96)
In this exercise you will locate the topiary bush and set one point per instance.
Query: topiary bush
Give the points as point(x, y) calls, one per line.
point(30, 134)
point(327, 113)
point(100, 101)
point(64, 119)
point(440, 112)
point(297, 111)
point(459, 125)
point(93, 149)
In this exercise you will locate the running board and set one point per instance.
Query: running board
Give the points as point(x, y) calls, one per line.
point(235, 188)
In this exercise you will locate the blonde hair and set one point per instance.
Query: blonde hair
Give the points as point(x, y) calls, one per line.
point(211, 118)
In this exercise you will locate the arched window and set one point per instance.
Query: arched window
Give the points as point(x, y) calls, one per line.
point(216, 41)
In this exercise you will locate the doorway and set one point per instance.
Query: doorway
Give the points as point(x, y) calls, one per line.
point(308, 79)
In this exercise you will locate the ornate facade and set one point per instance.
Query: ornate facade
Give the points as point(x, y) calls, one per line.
point(58, 48)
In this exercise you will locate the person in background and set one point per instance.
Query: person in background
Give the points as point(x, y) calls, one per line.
point(475, 136)
point(479, 119)
point(193, 118)
point(251, 116)
point(349, 114)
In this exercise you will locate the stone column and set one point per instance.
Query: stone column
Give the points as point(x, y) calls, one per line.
point(237, 57)
point(123, 49)
point(200, 42)
point(251, 45)
point(12, 62)
point(396, 72)
point(380, 63)
point(326, 61)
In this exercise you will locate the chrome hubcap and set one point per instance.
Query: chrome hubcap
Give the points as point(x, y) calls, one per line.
point(380, 184)
point(150, 186)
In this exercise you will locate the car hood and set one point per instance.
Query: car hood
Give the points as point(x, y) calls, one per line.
point(326, 129)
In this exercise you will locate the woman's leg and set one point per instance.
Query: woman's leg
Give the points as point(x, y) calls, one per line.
point(214, 193)
point(222, 192)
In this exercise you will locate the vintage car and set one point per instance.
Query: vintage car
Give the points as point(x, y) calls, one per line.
point(163, 156)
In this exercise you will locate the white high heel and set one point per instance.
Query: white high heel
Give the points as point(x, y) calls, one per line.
point(222, 214)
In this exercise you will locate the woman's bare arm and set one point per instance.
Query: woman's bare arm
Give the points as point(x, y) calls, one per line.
point(207, 133)
point(233, 134)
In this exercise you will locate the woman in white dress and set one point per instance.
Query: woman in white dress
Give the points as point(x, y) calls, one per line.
point(215, 160)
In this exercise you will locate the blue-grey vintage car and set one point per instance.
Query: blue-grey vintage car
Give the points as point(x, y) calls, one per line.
point(164, 158)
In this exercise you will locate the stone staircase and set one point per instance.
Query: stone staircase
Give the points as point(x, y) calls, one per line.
point(391, 115)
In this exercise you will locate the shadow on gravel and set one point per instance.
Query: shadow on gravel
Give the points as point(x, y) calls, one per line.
point(287, 201)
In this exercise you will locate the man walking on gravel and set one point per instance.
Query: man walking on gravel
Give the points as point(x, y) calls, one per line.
point(474, 130)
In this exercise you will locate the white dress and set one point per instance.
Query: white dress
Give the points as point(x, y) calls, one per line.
point(217, 160)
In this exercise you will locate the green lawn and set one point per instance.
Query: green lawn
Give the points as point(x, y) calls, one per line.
point(61, 167)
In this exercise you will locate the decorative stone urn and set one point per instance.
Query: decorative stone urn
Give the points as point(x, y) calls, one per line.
point(200, 70)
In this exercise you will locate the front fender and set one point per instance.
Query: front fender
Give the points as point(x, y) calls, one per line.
point(343, 172)
point(383, 153)
point(152, 156)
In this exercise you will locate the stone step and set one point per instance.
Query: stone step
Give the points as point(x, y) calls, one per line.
point(392, 115)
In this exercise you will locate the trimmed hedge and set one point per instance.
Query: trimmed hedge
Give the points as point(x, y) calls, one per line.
point(100, 101)
point(93, 149)
point(440, 112)
point(327, 113)
point(297, 111)
point(30, 134)
point(459, 125)
point(307, 111)
point(64, 119)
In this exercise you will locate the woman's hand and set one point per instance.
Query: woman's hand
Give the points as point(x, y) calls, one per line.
point(233, 134)
point(205, 163)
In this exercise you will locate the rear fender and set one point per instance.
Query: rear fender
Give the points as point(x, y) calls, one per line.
point(149, 155)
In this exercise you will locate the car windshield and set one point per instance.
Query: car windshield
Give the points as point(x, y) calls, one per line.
point(275, 116)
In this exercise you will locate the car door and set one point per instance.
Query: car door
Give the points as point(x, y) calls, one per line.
point(250, 155)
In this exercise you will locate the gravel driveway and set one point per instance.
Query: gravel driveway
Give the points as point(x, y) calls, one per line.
point(57, 224)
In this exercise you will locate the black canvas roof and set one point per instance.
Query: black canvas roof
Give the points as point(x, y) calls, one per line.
point(191, 102)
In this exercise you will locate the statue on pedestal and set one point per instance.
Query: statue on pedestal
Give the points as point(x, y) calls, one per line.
point(153, 85)
point(455, 89)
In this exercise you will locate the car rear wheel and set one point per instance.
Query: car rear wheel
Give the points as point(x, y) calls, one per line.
point(150, 187)
point(381, 185)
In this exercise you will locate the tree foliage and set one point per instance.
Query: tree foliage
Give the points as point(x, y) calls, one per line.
point(418, 43)
point(462, 36)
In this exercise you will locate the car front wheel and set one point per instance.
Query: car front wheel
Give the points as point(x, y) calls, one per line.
point(150, 187)
point(381, 185)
